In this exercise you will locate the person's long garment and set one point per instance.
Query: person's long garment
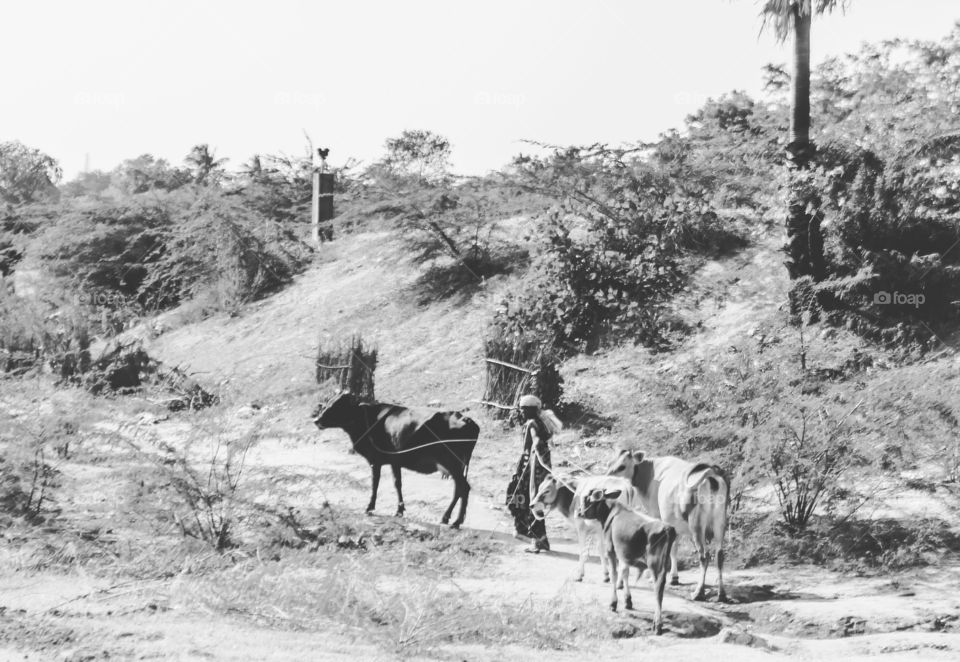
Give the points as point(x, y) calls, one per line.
point(518, 500)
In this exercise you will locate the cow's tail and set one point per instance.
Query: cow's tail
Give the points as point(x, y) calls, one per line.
point(710, 491)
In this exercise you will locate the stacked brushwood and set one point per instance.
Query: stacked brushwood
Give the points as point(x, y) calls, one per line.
point(519, 365)
point(348, 366)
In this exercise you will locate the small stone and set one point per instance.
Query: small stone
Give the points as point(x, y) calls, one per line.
point(741, 638)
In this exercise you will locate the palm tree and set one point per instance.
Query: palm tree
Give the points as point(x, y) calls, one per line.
point(204, 163)
point(804, 236)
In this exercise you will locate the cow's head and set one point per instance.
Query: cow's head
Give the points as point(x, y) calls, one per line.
point(336, 412)
point(596, 503)
point(625, 464)
point(545, 498)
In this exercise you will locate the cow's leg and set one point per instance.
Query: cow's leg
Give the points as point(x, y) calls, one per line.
point(659, 584)
point(456, 492)
point(446, 515)
point(460, 490)
point(463, 489)
point(674, 566)
point(375, 485)
point(623, 577)
point(722, 593)
point(604, 559)
point(612, 562)
point(397, 483)
point(703, 552)
point(583, 540)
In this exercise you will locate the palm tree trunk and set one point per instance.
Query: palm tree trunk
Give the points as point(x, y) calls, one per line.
point(800, 117)
point(804, 236)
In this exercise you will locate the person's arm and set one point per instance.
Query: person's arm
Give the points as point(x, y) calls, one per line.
point(533, 443)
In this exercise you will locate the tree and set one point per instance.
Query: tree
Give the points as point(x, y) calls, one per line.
point(26, 174)
point(204, 165)
point(92, 183)
point(804, 235)
point(146, 173)
point(420, 154)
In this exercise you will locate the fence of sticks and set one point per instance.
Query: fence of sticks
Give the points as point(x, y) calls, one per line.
point(349, 365)
point(515, 366)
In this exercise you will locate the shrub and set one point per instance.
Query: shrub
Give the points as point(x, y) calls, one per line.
point(804, 460)
point(33, 333)
point(27, 478)
point(889, 226)
point(611, 248)
point(148, 252)
point(845, 543)
point(454, 231)
point(220, 246)
point(203, 496)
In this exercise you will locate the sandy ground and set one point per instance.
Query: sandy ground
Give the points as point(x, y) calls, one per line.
point(798, 612)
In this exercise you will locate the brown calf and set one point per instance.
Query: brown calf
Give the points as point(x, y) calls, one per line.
point(631, 539)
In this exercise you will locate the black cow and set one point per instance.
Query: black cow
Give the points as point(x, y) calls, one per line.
point(422, 441)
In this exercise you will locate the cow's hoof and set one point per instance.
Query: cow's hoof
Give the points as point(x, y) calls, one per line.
point(456, 525)
point(399, 512)
point(369, 511)
point(578, 578)
point(445, 519)
point(698, 596)
point(658, 629)
point(613, 606)
point(674, 581)
point(619, 585)
point(628, 604)
point(722, 597)
point(606, 579)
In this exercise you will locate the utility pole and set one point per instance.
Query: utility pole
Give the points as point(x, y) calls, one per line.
point(322, 208)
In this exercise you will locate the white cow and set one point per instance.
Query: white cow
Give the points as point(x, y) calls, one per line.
point(690, 497)
point(565, 495)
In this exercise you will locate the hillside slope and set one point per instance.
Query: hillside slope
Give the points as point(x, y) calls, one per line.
point(363, 284)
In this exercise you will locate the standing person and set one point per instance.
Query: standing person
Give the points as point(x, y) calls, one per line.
point(538, 426)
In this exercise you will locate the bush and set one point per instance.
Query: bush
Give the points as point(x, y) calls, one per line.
point(33, 333)
point(745, 407)
point(202, 496)
point(144, 254)
point(218, 245)
point(805, 460)
point(454, 230)
point(611, 249)
point(846, 543)
point(889, 226)
point(27, 477)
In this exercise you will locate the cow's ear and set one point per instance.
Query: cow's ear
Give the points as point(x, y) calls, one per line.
point(637, 456)
point(615, 494)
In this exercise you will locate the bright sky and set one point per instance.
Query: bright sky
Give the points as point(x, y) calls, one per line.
point(113, 80)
